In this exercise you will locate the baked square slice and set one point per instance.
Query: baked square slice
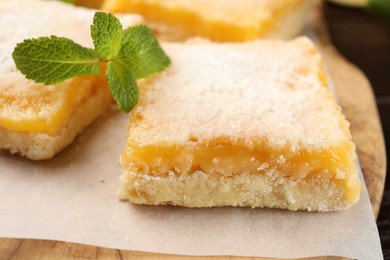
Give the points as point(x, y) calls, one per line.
point(38, 121)
point(251, 124)
point(218, 20)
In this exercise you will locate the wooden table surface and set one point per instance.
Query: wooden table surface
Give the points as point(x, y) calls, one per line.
point(356, 98)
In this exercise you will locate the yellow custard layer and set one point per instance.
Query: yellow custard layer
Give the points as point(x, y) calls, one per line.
point(217, 20)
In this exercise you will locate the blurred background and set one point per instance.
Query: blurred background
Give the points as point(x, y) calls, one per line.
point(364, 39)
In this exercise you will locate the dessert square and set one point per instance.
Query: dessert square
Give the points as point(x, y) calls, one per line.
point(218, 20)
point(240, 124)
point(38, 121)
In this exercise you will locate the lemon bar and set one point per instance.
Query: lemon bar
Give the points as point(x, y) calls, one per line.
point(218, 20)
point(37, 121)
point(240, 124)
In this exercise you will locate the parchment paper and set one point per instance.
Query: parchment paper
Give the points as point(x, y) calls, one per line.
point(73, 198)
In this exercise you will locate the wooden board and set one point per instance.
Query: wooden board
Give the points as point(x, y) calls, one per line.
point(357, 100)
point(355, 97)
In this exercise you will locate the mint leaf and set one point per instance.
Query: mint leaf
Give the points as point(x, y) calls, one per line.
point(146, 57)
point(122, 84)
point(51, 60)
point(131, 54)
point(106, 32)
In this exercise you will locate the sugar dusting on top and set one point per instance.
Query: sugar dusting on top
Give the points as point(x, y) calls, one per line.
point(249, 93)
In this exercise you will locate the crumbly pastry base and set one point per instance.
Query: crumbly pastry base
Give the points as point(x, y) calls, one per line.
point(244, 190)
point(43, 146)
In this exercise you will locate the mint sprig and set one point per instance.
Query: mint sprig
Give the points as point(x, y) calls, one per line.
point(130, 54)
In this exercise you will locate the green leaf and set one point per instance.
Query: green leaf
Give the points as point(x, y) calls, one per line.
point(146, 57)
point(68, 1)
point(131, 54)
point(106, 32)
point(51, 60)
point(122, 84)
point(379, 7)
